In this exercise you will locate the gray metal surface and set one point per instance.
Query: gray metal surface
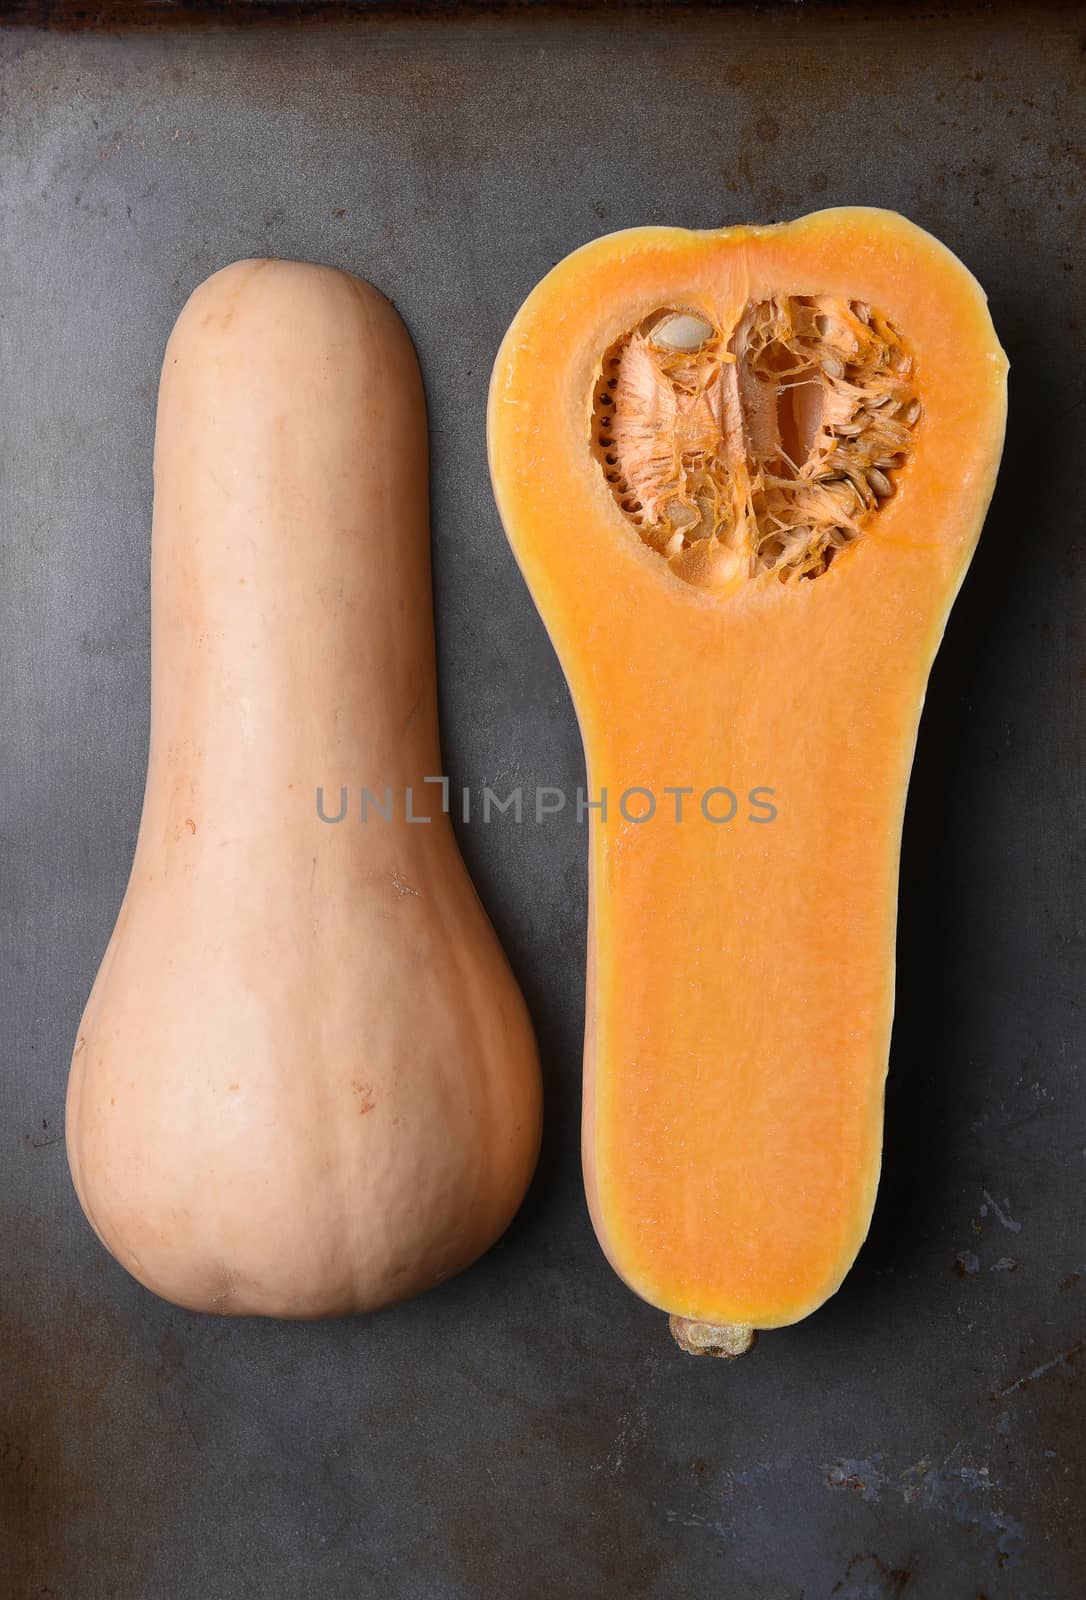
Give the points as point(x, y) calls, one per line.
point(529, 1430)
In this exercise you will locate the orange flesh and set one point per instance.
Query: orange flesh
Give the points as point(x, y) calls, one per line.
point(741, 975)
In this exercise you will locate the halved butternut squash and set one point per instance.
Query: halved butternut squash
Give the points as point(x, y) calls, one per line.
point(743, 473)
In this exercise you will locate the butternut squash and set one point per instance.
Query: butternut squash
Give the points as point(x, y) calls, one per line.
point(743, 473)
point(305, 1083)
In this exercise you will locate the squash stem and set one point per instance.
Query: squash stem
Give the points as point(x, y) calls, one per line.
point(711, 1339)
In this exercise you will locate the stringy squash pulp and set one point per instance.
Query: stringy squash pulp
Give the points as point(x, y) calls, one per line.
point(762, 452)
point(744, 473)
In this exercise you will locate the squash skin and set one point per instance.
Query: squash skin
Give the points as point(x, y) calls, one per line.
point(305, 1083)
point(741, 978)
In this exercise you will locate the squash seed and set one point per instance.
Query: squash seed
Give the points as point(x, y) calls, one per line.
point(681, 331)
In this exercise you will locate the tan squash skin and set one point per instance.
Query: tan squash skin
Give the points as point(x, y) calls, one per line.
point(740, 978)
point(305, 1083)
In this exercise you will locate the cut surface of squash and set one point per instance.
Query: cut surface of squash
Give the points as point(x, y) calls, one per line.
point(743, 473)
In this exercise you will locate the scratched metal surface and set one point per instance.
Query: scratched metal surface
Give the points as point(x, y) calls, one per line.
point(529, 1429)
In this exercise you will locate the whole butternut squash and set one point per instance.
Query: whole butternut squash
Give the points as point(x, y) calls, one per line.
point(743, 473)
point(305, 1083)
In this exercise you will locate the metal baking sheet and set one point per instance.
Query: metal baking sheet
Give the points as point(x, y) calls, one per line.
point(529, 1429)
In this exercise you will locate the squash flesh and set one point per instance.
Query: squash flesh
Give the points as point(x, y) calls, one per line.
point(740, 987)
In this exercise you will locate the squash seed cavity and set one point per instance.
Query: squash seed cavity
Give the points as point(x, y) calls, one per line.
point(766, 450)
